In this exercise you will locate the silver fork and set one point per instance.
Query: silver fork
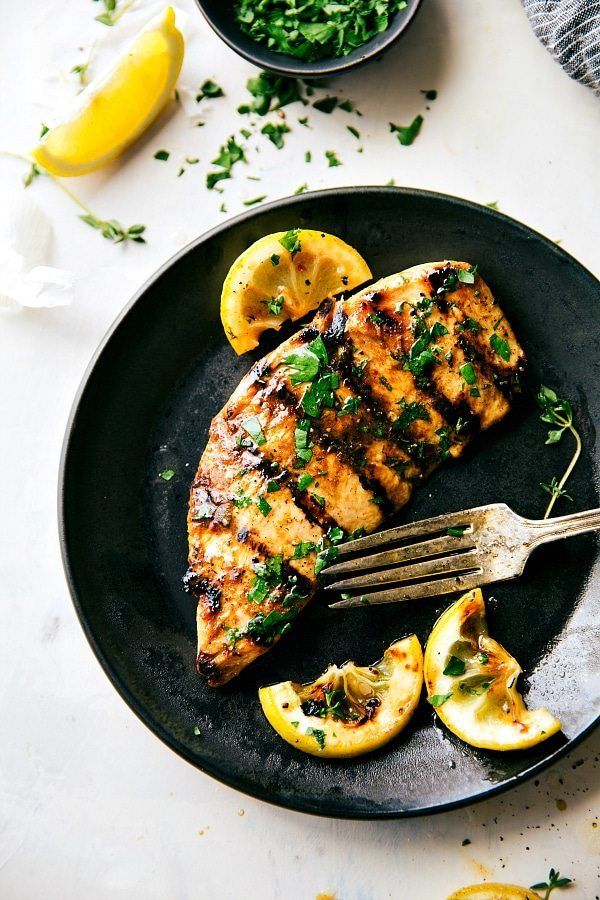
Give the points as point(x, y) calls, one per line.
point(455, 552)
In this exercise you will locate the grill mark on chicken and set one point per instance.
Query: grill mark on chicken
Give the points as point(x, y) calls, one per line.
point(277, 459)
point(331, 444)
point(225, 548)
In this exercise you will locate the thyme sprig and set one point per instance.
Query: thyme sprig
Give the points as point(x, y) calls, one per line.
point(558, 413)
point(554, 881)
point(110, 229)
point(112, 11)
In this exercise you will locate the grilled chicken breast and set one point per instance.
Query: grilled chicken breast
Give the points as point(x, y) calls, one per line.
point(329, 434)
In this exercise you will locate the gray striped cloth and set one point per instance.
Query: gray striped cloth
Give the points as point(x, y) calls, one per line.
point(570, 31)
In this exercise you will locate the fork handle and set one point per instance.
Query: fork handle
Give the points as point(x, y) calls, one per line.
point(545, 530)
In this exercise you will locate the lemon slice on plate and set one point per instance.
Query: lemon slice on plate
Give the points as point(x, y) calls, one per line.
point(349, 709)
point(471, 682)
point(118, 106)
point(284, 276)
point(493, 891)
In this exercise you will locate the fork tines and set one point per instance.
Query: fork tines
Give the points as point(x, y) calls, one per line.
point(421, 559)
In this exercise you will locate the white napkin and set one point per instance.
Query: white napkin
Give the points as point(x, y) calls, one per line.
point(26, 279)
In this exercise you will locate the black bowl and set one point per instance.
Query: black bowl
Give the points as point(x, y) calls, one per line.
point(219, 15)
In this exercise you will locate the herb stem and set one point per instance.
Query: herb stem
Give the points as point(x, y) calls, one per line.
point(122, 10)
point(557, 493)
point(109, 228)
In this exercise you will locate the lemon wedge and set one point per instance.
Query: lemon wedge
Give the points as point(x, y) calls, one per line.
point(493, 891)
point(471, 682)
point(118, 106)
point(284, 276)
point(349, 710)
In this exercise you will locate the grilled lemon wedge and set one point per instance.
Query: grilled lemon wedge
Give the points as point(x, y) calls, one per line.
point(350, 709)
point(493, 891)
point(284, 276)
point(118, 106)
point(471, 681)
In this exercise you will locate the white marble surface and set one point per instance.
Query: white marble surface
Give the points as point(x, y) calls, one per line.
point(91, 804)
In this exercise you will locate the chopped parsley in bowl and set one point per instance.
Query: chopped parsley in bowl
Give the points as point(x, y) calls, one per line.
point(315, 29)
point(309, 37)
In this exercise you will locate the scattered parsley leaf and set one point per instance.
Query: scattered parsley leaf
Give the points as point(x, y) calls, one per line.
point(500, 346)
point(326, 104)
point(439, 699)
point(162, 154)
point(275, 132)
point(332, 159)
point(209, 89)
point(264, 507)
point(269, 91)
point(291, 241)
point(167, 474)
point(455, 666)
point(304, 481)
point(406, 134)
point(468, 374)
point(253, 427)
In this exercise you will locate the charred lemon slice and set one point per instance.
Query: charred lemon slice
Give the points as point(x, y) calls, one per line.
point(284, 276)
point(471, 681)
point(118, 106)
point(350, 709)
point(493, 891)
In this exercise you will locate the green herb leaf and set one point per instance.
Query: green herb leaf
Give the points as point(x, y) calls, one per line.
point(406, 134)
point(318, 734)
point(500, 347)
point(468, 373)
point(269, 91)
point(275, 133)
point(332, 159)
point(456, 530)
point(325, 555)
point(167, 474)
point(291, 241)
point(469, 324)
point(349, 406)
point(411, 412)
point(209, 89)
point(304, 481)
point(455, 666)
point(305, 364)
point(467, 276)
point(253, 427)
point(255, 200)
point(264, 507)
point(162, 154)
point(302, 549)
point(274, 305)
point(439, 699)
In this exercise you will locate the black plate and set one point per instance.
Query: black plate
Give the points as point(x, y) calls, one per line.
point(145, 405)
